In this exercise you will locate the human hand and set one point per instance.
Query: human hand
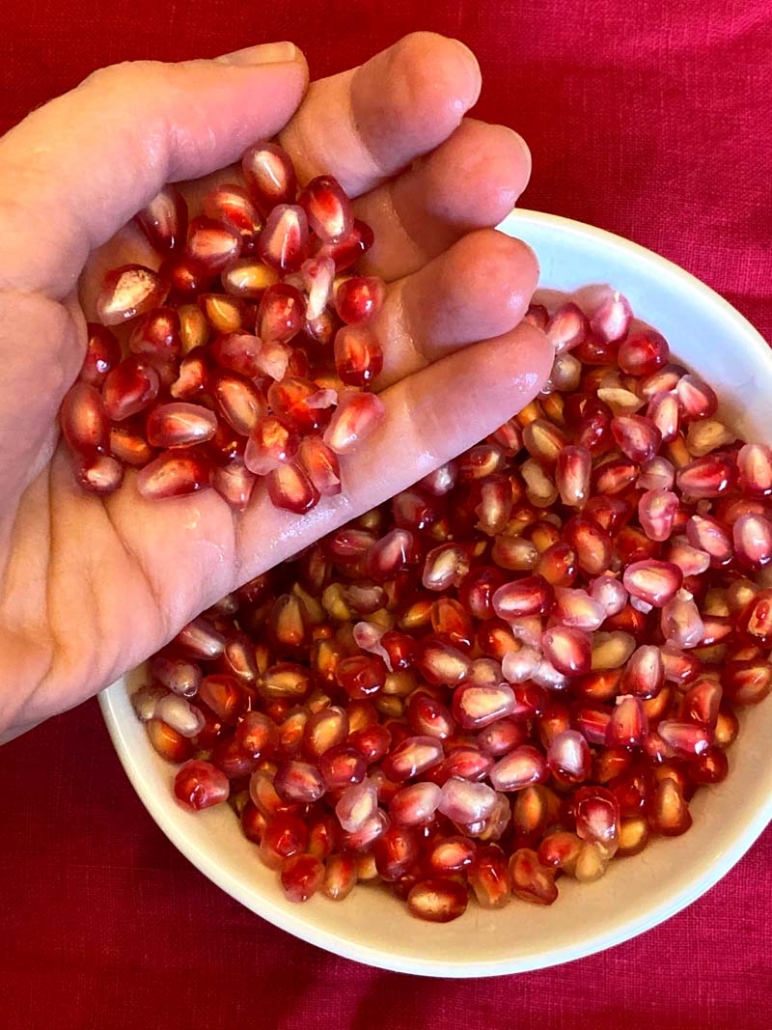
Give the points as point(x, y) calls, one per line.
point(91, 586)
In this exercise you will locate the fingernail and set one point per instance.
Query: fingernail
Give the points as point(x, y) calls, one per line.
point(473, 70)
point(264, 53)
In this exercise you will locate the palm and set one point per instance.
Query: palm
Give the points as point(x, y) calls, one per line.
point(93, 586)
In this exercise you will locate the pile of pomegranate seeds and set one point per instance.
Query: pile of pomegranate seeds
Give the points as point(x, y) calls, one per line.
point(518, 669)
point(248, 353)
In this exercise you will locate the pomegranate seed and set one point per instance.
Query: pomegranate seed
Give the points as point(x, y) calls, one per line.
point(283, 243)
point(668, 812)
point(411, 758)
point(355, 418)
point(269, 175)
point(103, 352)
point(285, 835)
point(696, 398)
point(566, 328)
point(179, 424)
point(174, 473)
point(165, 220)
point(359, 298)
point(628, 724)
point(568, 649)
point(340, 876)
point(231, 204)
point(568, 757)
point(752, 537)
point(573, 475)
point(611, 319)
point(521, 768)
point(281, 314)
point(234, 483)
point(437, 900)
point(637, 437)
point(129, 388)
point(681, 623)
point(271, 442)
point(754, 465)
point(289, 487)
point(654, 582)
point(644, 353)
point(84, 420)
point(200, 785)
point(329, 210)
point(532, 595)
point(530, 880)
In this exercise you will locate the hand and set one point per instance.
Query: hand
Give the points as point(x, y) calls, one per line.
point(90, 587)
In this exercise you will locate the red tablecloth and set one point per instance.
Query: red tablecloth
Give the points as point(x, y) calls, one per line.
point(649, 118)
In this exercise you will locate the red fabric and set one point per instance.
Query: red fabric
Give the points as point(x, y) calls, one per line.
point(651, 119)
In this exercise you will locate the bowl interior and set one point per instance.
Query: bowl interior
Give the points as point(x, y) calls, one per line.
point(636, 893)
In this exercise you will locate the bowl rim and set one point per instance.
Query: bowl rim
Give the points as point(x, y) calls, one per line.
point(113, 703)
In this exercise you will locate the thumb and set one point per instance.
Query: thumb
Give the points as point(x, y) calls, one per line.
point(76, 170)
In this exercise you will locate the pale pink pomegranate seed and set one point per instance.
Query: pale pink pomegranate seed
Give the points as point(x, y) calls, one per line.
point(752, 537)
point(532, 595)
point(697, 399)
point(412, 757)
point(180, 424)
point(657, 510)
point(609, 592)
point(234, 483)
point(415, 804)
point(269, 175)
point(572, 476)
point(611, 318)
point(200, 785)
point(663, 411)
point(465, 802)
point(568, 757)
point(575, 608)
point(544, 441)
point(628, 725)
point(680, 622)
point(691, 560)
point(707, 477)
point(754, 464)
point(477, 706)
point(707, 534)
point(183, 717)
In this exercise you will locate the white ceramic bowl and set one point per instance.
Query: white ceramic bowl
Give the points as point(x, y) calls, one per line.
point(636, 893)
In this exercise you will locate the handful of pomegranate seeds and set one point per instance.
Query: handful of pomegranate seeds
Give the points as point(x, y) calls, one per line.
point(246, 354)
point(519, 669)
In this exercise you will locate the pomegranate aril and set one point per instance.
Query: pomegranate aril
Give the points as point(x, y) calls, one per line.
point(643, 353)
point(637, 437)
point(521, 768)
point(269, 175)
point(230, 203)
point(611, 318)
point(437, 900)
point(628, 725)
point(568, 757)
point(84, 420)
point(707, 477)
point(174, 473)
point(301, 876)
point(285, 835)
point(668, 812)
point(358, 355)
point(200, 785)
point(329, 210)
point(572, 477)
point(566, 328)
point(532, 595)
point(412, 757)
point(129, 388)
point(271, 442)
point(697, 399)
point(752, 537)
point(103, 352)
point(180, 424)
point(359, 298)
point(283, 243)
point(356, 417)
point(530, 880)
point(234, 483)
point(654, 582)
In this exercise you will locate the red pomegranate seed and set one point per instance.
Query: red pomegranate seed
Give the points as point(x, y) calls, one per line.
point(530, 880)
point(680, 623)
point(103, 352)
point(707, 477)
point(100, 474)
point(329, 210)
point(285, 835)
point(532, 595)
point(234, 483)
point(358, 355)
point(654, 582)
point(477, 706)
point(466, 802)
point(269, 175)
point(437, 900)
point(411, 758)
point(129, 388)
point(356, 417)
point(200, 785)
point(180, 424)
point(746, 682)
point(637, 437)
point(289, 487)
point(488, 876)
point(301, 876)
point(696, 398)
point(165, 220)
point(572, 476)
point(644, 353)
point(521, 768)
point(628, 725)
point(281, 314)
point(568, 649)
point(592, 546)
point(752, 538)
point(359, 298)
point(668, 812)
point(568, 757)
point(283, 243)
point(566, 328)
point(231, 204)
point(271, 442)
point(754, 465)
point(84, 420)
point(340, 875)
point(174, 473)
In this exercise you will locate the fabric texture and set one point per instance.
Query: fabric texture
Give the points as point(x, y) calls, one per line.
point(648, 118)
